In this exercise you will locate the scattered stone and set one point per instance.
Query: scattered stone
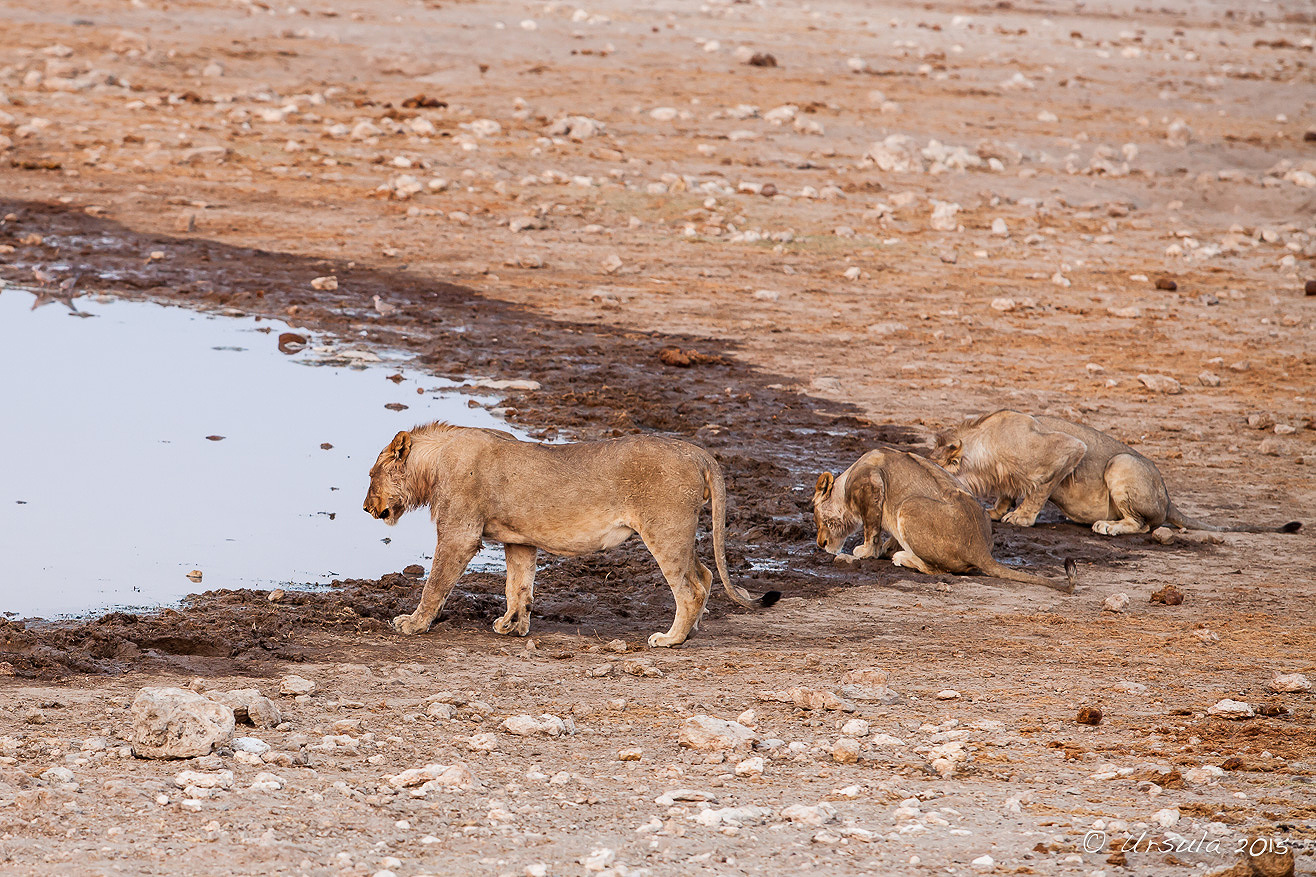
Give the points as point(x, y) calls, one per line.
point(943, 216)
point(327, 283)
point(845, 750)
point(1290, 683)
point(598, 859)
point(546, 725)
point(1168, 595)
point(250, 707)
point(1208, 379)
point(441, 711)
point(948, 694)
point(667, 799)
point(1115, 602)
point(751, 767)
point(707, 734)
point(295, 685)
point(1167, 284)
point(1089, 715)
point(442, 775)
point(984, 863)
point(1261, 420)
point(1161, 384)
point(856, 728)
point(1309, 287)
point(176, 723)
point(762, 59)
point(1232, 709)
point(734, 817)
point(821, 813)
point(642, 668)
point(632, 754)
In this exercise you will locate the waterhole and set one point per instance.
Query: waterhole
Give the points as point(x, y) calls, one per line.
point(144, 442)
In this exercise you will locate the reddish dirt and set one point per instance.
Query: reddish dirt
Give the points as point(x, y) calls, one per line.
point(638, 303)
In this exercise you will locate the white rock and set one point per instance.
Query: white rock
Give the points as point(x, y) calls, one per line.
point(751, 767)
point(295, 685)
point(249, 707)
point(483, 128)
point(948, 694)
point(667, 799)
point(1179, 134)
point(1115, 603)
point(546, 725)
point(454, 776)
point(943, 216)
point(1166, 818)
point(885, 740)
point(736, 817)
point(253, 745)
point(663, 114)
point(482, 742)
point(1292, 682)
point(175, 723)
point(856, 728)
point(219, 779)
point(329, 282)
point(819, 814)
point(576, 128)
point(984, 863)
point(1161, 384)
point(845, 750)
point(441, 711)
point(598, 859)
point(707, 734)
point(1232, 709)
point(57, 775)
point(999, 228)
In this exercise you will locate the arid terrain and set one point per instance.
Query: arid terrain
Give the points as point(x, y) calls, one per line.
point(786, 232)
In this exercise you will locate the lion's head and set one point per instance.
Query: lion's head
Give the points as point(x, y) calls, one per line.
point(388, 495)
point(949, 451)
point(830, 515)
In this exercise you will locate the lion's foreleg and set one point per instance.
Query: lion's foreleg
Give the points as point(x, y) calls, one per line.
point(1061, 454)
point(872, 516)
point(451, 555)
point(1002, 506)
point(520, 590)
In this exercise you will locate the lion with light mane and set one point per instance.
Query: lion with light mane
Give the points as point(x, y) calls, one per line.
point(939, 527)
point(1091, 477)
point(567, 499)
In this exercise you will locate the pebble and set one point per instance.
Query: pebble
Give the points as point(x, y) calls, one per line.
point(295, 685)
point(1161, 384)
point(327, 283)
point(546, 725)
point(1089, 715)
point(948, 694)
point(984, 863)
point(643, 668)
point(1291, 682)
point(1115, 602)
point(1232, 709)
point(1163, 535)
point(632, 754)
point(1208, 379)
point(1167, 817)
point(455, 776)
point(856, 728)
point(821, 813)
point(943, 216)
point(751, 767)
point(707, 734)
point(845, 750)
point(1168, 595)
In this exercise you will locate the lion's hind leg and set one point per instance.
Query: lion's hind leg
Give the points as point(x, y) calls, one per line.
point(520, 590)
point(1137, 494)
point(689, 580)
point(910, 560)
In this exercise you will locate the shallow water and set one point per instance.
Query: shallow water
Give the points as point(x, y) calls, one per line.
point(111, 491)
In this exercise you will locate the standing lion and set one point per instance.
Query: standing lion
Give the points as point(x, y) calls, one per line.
point(566, 499)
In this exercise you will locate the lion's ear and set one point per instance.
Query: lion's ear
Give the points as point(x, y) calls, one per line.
point(400, 447)
point(823, 488)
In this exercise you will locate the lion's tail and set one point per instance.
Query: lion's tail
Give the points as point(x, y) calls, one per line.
point(1184, 522)
point(717, 490)
point(1001, 571)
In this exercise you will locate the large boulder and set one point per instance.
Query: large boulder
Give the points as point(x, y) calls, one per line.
point(176, 723)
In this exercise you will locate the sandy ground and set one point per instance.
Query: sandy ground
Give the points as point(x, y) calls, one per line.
point(918, 212)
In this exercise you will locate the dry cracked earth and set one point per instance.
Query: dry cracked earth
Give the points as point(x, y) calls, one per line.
point(784, 231)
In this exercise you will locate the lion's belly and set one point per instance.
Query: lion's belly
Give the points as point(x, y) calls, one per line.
point(1083, 506)
point(567, 542)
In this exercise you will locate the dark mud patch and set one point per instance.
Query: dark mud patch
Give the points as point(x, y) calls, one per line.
point(596, 381)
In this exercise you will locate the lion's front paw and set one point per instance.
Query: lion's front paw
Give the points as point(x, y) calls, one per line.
point(862, 551)
point(507, 627)
point(1019, 518)
point(664, 640)
point(408, 625)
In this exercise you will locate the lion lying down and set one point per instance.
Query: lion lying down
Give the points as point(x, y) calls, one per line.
point(940, 527)
point(1090, 476)
point(566, 499)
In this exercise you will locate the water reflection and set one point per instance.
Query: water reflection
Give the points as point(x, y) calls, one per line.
point(151, 441)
